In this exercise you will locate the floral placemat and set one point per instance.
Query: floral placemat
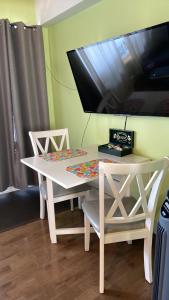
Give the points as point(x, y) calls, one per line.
point(87, 169)
point(63, 154)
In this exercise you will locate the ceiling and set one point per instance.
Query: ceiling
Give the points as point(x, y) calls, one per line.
point(50, 11)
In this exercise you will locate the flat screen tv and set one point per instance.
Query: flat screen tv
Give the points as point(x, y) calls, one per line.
point(127, 75)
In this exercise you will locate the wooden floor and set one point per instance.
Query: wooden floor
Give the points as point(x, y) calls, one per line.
point(33, 269)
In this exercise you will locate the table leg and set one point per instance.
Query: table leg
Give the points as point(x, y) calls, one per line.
point(51, 211)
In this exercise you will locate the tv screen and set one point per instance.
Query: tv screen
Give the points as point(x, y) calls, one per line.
point(127, 75)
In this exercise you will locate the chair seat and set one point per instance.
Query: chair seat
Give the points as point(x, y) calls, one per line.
point(59, 191)
point(91, 210)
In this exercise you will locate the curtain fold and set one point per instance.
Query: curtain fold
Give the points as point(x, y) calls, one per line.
point(23, 99)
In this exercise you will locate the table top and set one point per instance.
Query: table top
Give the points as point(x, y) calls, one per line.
point(56, 170)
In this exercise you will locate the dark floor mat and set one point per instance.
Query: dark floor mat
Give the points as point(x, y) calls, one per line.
point(22, 207)
point(18, 208)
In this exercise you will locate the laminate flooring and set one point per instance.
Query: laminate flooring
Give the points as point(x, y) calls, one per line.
point(31, 268)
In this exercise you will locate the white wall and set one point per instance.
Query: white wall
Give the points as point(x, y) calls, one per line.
point(51, 11)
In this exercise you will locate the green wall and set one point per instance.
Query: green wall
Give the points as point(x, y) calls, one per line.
point(18, 10)
point(105, 19)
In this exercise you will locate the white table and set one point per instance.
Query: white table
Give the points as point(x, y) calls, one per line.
point(55, 171)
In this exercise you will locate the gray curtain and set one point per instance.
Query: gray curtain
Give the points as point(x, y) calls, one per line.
point(23, 99)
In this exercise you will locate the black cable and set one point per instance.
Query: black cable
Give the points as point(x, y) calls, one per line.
point(125, 123)
point(81, 145)
point(58, 81)
point(72, 89)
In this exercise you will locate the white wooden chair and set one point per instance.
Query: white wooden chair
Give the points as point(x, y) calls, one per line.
point(125, 218)
point(60, 194)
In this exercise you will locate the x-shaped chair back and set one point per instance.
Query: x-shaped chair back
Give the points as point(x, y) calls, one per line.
point(145, 205)
point(48, 138)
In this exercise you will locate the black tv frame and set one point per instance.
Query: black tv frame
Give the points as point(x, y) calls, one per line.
point(114, 38)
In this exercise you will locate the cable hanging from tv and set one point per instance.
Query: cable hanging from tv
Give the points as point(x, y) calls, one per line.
point(81, 145)
point(125, 123)
point(58, 81)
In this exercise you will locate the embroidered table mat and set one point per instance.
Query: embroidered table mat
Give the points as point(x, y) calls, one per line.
point(63, 154)
point(87, 169)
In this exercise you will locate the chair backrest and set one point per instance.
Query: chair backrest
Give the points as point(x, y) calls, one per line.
point(48, 138)
point(144, 207)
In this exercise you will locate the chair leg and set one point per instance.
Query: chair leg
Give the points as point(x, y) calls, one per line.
point(71, 205)
point(42, 207)
point(86, 233)
point(101, 265)
point(79, 203)
point(148, 259)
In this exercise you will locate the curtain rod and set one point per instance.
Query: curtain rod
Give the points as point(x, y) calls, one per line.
point(25, 26)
